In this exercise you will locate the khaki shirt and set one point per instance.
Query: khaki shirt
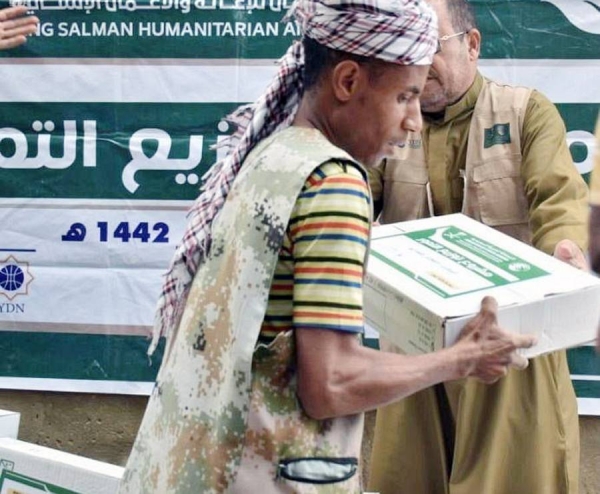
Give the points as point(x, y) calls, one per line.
point(556, 193)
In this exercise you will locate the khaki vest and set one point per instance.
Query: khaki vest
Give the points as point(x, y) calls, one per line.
point(493, 187)
point(224, 417)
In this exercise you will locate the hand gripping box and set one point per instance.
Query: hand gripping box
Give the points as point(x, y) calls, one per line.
point(27, 468)
point(426, 278)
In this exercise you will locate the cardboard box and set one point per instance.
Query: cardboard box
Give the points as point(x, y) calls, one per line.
point(27, 468)
point(426, 278)
point(9, 423)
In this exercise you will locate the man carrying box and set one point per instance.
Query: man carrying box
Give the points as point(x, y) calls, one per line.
point(264, 380)
point(498, 154)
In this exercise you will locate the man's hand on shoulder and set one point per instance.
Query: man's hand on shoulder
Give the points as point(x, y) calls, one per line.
point(567, 251)
point(15, 26)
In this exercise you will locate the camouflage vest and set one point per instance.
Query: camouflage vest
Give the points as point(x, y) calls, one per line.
point(493, 188)
point(224, 417)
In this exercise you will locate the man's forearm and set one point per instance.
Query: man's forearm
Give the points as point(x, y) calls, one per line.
point(338, 376)
point(358, 379)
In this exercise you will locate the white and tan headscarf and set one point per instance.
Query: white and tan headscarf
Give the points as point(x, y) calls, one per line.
point(403, 32)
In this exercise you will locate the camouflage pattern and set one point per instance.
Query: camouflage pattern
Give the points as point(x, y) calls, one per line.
point(494, 191)
point(224, 410)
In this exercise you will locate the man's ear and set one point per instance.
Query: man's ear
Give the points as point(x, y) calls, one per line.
point(474, 44)
point(346, 79)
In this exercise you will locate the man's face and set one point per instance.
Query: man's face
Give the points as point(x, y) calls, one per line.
point(383, 112)
point(452, 71)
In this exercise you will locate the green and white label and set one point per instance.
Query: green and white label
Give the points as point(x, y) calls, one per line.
point(15, 483)
point(451, 262)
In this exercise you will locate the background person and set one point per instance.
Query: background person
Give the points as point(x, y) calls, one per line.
point(264, 381)
point(595, 214)
point(497, 153)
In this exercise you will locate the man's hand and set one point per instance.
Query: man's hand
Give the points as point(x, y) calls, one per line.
point(15, 26)
point(567, 251)
point(493, 349)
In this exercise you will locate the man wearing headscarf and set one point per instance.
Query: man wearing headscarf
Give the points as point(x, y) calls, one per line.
point(264, 380)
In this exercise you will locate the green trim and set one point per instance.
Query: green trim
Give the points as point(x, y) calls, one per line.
point(587, 389)
point(371, 343)
point(329, 259)
point(523, 29)
point(78, 356)
point(115, 125)
point(326, 304)
point(584, 361)
point(324, 214)
point(31, 482)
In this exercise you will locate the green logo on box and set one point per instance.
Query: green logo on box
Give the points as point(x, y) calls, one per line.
point(15, 483)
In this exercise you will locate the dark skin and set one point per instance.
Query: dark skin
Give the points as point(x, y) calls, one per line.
point(350, 93)
point(337, 376)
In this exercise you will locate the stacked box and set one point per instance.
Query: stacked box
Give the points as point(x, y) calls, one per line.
point(27, 468)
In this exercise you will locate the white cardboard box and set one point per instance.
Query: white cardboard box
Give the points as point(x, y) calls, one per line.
point(426, 278)
point(27, 468)
point(9, 423)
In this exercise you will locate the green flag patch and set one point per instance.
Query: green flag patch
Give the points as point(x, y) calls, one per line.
point(497, 134)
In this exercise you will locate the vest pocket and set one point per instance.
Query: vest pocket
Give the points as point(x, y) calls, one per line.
point(500, 194)
point(317, 470)
point(405, 191)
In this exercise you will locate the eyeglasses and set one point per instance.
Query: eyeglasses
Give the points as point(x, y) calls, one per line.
point(446, 38)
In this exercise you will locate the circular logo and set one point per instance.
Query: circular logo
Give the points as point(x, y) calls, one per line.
point(11, 277)
point(519, 266)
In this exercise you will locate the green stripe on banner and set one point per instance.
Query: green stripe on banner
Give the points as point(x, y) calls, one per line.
point(539, 29)
point(587, 389)
point(76, 356)
point(521, 29)
point(163, 132)
point(155, 29)
point(584, 361)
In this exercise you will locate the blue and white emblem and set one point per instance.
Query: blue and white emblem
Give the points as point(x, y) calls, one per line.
point(15, 277)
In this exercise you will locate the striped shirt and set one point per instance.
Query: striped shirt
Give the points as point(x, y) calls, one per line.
point(318, 277)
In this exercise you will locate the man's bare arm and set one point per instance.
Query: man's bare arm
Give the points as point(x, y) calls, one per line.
point(338, 376)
